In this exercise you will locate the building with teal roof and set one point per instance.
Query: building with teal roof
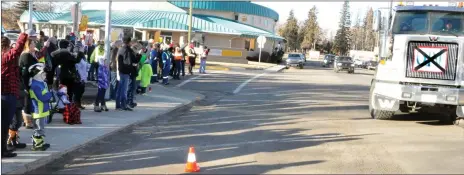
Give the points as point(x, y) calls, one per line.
point(229, 25)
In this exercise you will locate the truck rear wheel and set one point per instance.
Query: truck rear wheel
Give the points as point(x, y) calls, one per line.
point(378, 114)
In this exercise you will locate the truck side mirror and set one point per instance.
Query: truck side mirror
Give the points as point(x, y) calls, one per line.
point(377, 19)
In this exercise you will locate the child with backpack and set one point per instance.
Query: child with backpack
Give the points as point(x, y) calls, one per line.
point(40, 96)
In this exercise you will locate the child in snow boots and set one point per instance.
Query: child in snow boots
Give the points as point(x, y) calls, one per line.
point(144, 77)
point(40, 96)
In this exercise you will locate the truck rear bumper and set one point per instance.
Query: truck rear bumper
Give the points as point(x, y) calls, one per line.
point(418, 93)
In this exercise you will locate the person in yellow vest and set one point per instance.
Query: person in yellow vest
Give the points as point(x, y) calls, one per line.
point(99, 57)
point(40, 97)
point(144, 77)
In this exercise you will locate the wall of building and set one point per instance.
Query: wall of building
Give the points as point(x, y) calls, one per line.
point(228, 15)
point(229, 55)
point(224, 41)
point(264, 23)
point(261, 22)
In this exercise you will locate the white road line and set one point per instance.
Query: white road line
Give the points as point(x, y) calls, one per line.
point(189, 80)
point(194, 78)
point(239, 88)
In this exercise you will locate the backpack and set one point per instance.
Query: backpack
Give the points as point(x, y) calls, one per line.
point(72, 114)
point(127, 61)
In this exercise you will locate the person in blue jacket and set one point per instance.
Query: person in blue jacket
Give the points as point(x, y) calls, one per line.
point(154, 57)
point(167, 59)
point(40, 97)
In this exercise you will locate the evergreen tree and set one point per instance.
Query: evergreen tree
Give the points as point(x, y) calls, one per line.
point(290, 32)
point(369, 34)
point(312, 29)
point(342, 38)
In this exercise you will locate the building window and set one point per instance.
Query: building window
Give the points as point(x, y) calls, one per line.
point(236, 17)
point(244, 18)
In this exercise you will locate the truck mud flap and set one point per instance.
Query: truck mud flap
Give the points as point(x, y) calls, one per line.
point(386, 103)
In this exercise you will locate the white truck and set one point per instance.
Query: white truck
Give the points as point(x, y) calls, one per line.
point(422, 64)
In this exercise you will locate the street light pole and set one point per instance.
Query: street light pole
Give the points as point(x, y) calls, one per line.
point(76, 19)
point(30, 14)
point(190, 22)
point(108, 30)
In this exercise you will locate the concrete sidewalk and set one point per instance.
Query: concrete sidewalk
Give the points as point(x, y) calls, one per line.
point(66, 138)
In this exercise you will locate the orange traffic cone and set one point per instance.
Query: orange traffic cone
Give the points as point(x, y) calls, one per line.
point(192, 165)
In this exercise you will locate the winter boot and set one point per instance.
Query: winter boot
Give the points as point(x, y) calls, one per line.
point(27, 121)
point(38, 143)
point(79, 105)
point(104, 108)
point(13, 141)
point(97, 108)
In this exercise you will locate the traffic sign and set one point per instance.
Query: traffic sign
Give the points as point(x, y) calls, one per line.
point(83, 23)
point(261, 41)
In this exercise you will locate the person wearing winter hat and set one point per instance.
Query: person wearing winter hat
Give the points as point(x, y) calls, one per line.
point(167, 59)
point(41, 105)
point(29, 57)
point(144, 77)
point(102, 78)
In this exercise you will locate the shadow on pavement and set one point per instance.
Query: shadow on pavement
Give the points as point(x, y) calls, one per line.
point(225, 130)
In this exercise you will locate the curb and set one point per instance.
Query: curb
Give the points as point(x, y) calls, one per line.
point(31, 166)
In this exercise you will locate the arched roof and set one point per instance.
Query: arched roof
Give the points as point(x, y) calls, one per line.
point(245, 7)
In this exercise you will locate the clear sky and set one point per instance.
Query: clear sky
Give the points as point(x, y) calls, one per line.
point(328, 16)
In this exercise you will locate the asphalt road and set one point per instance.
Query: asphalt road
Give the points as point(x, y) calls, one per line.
point(298, 121)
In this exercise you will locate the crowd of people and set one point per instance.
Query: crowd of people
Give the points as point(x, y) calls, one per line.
point(36, 66)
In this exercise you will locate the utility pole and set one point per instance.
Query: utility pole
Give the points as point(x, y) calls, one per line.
point(76, 20)
point(107, 38)
point(387, 29)
point(108, 30)
point(189, 37)
point(30, 14)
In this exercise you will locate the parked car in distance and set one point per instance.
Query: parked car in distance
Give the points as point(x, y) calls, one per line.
point(328, 60)
point(358, 63)
point(13, 31)
point(344, 63)
point(372, 65)
point(295, 60)
point(303, 56)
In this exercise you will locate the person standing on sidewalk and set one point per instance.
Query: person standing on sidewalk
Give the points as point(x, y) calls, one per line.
point(155, 57)
point(203, 57)
point(10, 85)
point(192, 56)
point(114, 68)
point(137, 49)
point(167, 59)
point(184, 58)
point(125, 68)
point(13, 137)
point(177, 62)
point(29, 57)
point(82, 68)
point(102, 77)
point(93, 69)
point(41, 97)
point(144, 77)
